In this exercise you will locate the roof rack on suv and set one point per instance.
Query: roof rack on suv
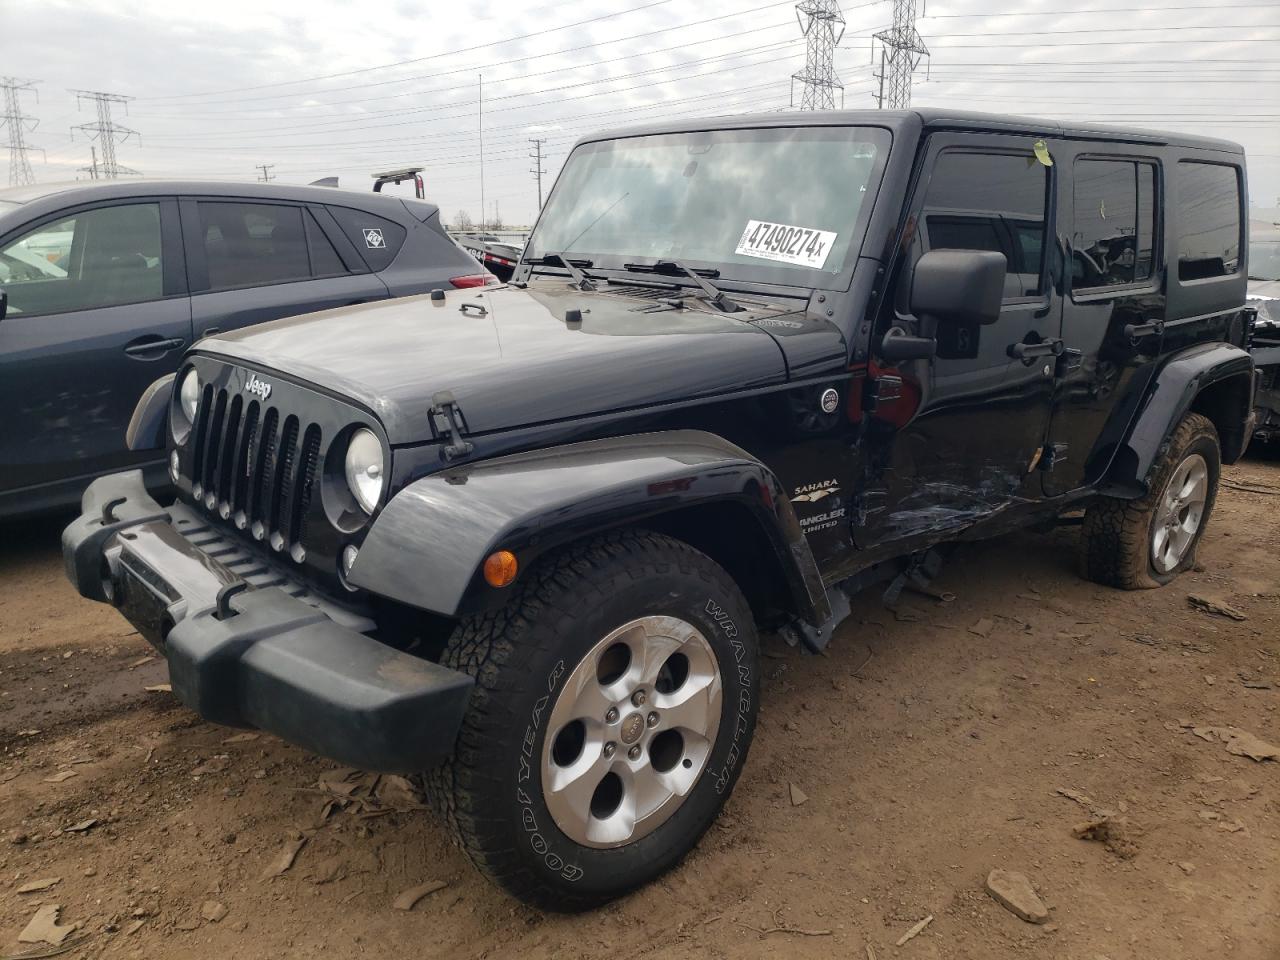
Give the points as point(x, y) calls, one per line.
point(399, 176)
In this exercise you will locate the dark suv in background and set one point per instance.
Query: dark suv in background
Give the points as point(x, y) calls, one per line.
point(108, 283)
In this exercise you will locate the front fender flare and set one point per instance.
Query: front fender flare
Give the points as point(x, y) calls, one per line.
point(1171, 395)
point(146, 430)
point(427, 545)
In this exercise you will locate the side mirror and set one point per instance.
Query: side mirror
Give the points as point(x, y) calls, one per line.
point(4, 304)
point(961, 287)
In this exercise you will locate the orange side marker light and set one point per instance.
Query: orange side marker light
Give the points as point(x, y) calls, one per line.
point(500, 568)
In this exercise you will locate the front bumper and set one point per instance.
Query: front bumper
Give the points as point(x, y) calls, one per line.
point(247, 646)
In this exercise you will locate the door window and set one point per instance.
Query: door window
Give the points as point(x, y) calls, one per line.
point(251, 244)
point(96, 258)
point(1114, 215)
point(990, 201)
point(1208, 220)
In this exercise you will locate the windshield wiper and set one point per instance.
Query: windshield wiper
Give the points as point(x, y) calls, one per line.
point(580, 279)
point(675, 268)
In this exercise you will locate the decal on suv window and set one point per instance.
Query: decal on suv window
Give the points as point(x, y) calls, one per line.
point(779, 241)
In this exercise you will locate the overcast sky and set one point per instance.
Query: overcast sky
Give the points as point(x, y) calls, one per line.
point(324, 88)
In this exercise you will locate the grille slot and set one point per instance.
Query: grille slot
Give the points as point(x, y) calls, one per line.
point(256, 466)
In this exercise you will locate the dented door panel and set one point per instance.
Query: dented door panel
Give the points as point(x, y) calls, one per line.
point(960, 438)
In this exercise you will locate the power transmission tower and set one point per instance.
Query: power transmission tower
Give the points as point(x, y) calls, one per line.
point(267, 176)
point(18, 124)
point(822, 24)
point(901, 50)
point(106, 131)
point(538, 170)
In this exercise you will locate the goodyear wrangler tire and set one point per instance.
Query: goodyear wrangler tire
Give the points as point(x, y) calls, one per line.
point(1143, 543)
point(615, 701)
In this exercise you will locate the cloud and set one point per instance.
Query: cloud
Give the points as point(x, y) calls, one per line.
point(244, 59)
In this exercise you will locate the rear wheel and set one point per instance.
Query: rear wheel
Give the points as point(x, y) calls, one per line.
point(1135, 544)
point(614, 704)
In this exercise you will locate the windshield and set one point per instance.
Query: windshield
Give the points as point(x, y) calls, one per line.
point(783, 205)
point(1264, 260)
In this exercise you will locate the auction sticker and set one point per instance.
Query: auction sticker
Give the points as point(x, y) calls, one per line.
point(787, 244)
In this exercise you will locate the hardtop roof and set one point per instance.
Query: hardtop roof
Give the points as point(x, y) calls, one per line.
point(930, 118)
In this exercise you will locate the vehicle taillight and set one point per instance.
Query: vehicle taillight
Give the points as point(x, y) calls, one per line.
point(474, 280)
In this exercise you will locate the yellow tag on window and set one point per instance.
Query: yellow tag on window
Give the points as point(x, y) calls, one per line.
point(1042, 153)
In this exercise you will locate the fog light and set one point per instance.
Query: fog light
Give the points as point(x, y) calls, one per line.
point(500, 568)
point(173, 466)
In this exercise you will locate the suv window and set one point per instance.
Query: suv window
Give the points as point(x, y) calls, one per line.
point(990, 201)
point(1114, 216)
point(250, 244)
point(377, 239)
point(1208, 220)
point(325, 261)
point(96, 258)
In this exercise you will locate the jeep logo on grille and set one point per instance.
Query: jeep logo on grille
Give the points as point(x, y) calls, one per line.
point(258, 387)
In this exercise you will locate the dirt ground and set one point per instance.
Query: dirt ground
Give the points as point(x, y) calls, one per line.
point(927, 749)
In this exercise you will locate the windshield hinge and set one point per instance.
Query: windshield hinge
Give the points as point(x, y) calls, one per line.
point(445, 418)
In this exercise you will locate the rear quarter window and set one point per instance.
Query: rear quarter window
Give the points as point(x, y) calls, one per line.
point(1209, 222)
point(376, 238)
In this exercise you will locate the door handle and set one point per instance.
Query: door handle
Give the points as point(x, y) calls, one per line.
point(1029, 351)
point(152, 347)
point(1135, 330)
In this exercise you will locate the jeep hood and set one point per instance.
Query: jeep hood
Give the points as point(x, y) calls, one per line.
point(508, 356)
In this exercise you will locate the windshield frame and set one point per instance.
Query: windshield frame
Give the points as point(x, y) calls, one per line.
point(727, 274)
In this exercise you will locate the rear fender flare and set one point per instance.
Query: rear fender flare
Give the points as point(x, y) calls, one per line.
point(428, 544)
point(1182, 381)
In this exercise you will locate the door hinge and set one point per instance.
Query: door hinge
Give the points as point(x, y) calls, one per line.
point(445, 418)
point(883, 389)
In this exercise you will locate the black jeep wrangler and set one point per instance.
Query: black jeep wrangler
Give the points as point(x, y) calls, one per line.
point(524, 538)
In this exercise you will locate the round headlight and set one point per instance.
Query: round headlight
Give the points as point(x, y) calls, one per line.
point(364, 469)
point(189, 395)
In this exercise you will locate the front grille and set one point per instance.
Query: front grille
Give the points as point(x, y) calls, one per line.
point(256, 466)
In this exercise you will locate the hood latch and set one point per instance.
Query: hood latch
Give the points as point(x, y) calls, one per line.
point(445, 417)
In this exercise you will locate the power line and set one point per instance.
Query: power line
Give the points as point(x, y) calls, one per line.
point(288, 130)
point(106, 131)
point(435, 56)
point(901, 50)
point(538, 169)
point(362, 145)
point(1107, 10)
point(417, 93)
point(18, 125)
point(346, 117)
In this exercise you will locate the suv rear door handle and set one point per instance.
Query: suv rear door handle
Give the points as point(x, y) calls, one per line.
point(152, 347)
point(1028, 351)
point(1135, 330)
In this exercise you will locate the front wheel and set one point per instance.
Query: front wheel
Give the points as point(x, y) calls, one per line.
point(1135, 544)
point(615, 701)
